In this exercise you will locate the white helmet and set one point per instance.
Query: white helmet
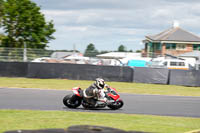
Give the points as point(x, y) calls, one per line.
point(99, 83)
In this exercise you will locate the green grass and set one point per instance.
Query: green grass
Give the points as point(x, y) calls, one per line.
point(16, 119)
point(25, 119)
point(136, 88)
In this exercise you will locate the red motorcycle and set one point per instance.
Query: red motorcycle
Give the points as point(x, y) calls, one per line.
point(76, 99)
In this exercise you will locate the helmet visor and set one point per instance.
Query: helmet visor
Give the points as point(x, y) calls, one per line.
point(102, 85)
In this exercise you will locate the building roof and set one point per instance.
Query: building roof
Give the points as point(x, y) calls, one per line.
point(195, 54)
point(175, 34)
point(60, 55)
point(118, 55)
point(76, 56)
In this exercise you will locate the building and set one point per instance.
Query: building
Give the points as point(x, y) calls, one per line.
point(118, 55)
point(173, 41)
point(61, 55)
point(117, 58)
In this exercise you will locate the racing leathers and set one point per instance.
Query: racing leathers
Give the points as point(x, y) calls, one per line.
point(92, 94)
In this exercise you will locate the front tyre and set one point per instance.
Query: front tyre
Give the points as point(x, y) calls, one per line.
point(72, 101)
point(116, 105)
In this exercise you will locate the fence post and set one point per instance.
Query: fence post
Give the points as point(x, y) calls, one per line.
point(25, 53)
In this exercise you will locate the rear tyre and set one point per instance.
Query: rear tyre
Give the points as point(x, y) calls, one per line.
point(72, 101)
point(116, 105)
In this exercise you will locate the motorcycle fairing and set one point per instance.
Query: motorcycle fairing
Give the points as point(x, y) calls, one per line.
point(76, 91)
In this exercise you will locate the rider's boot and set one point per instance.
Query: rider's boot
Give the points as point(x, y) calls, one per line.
point(103, 99)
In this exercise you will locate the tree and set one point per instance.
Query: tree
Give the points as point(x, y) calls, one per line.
point(130, 50)
point(1, 37)
point(138, 51)
point(1, 14)
point(104, 51)
point(23, 24)
point(91, 51)
point(121, 48)
point(1, 9)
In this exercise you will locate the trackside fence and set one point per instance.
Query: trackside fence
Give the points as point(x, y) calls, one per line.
point(109, 73)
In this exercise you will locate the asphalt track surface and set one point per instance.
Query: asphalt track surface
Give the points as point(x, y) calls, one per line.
point(36, 99)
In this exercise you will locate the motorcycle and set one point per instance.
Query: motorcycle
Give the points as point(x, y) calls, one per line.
point(77, 98)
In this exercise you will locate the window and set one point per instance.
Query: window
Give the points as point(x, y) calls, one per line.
point(150, 46)
point(181, 46)
point(177, 63)
point(157, 46)
point(165, 63)
point(173, 64)
point(181, 63)
point(170, 46)
point(196, 47)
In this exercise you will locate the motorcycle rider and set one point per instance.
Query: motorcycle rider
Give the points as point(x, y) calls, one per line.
point(95, 92)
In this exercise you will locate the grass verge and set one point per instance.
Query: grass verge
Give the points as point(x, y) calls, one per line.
point(25, 119)
point(136, 88)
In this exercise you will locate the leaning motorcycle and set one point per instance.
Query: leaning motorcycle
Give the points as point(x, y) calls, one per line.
point(76, 99)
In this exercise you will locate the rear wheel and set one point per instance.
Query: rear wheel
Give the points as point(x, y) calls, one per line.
point(72, 101)
point(116, 105)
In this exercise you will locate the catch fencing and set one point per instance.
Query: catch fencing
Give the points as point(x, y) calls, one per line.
point(22, 54)
point(186, 78)
point(109, 73)
point(79, 71)
point(66, 71)
point(151, 75)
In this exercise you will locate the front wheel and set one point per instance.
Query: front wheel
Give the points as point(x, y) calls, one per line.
point(72, 101)
point(116, 105)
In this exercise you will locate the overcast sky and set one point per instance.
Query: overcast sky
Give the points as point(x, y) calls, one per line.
point(110, 23)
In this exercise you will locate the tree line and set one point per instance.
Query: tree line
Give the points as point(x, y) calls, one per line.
point(91, 51)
